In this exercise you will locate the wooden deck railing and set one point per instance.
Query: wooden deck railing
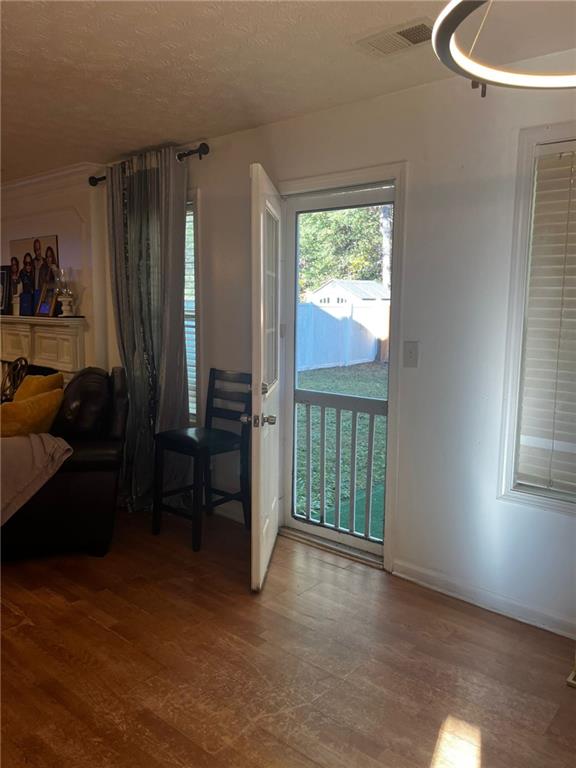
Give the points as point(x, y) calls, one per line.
point(326, 502)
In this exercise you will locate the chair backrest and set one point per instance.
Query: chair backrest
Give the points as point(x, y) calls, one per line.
point(14, 376)
point(229, 397)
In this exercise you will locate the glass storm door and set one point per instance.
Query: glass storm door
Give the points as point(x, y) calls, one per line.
point(343, 260)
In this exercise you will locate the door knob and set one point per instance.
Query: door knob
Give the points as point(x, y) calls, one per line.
point(269, 420)
point(245, 419)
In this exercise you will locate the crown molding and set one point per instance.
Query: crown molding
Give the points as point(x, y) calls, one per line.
point(70, 175)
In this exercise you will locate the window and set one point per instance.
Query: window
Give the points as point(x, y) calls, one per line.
point(190, 316)
point(545, 445)
point(270, 297)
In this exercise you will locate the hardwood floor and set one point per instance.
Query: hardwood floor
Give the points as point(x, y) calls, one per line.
point(156, 657)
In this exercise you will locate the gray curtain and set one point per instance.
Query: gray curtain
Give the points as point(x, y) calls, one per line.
point(146, 223)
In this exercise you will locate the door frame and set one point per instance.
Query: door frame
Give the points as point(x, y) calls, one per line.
point(396, 172)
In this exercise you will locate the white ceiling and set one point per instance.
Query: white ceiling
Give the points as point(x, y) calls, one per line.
point(92, 81)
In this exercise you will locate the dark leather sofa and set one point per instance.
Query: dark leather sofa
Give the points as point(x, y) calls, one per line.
point(76, 508)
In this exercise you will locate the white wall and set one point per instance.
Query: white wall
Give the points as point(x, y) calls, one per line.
point(451, 531)
point(64, 204)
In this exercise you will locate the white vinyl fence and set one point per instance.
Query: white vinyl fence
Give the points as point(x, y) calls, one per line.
point(328, 337)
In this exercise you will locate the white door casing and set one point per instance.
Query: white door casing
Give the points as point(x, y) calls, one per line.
point(290, 190)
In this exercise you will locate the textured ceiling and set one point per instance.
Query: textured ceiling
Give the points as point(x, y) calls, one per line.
point(92, 81)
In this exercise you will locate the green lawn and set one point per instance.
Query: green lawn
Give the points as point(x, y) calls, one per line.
point(365, 380)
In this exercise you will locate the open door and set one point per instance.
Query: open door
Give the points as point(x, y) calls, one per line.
point(266, 240)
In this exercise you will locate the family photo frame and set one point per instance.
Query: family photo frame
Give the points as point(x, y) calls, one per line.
point(32, 275)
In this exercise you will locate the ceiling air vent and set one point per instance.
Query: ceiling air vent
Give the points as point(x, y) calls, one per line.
point(418, 33)
point(400, 38)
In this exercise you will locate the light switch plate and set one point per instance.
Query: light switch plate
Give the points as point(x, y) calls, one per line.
point(411, 354)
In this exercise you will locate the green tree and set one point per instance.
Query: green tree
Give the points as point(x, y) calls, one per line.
point(346, 244)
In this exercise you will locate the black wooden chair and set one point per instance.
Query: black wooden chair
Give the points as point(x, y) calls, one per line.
point(229, 399)
point(14, 376)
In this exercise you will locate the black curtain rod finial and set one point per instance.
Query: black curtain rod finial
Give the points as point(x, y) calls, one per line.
point(201, 150)
point(95, 180)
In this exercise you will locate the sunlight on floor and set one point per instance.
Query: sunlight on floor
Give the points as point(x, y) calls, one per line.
point(459, 745)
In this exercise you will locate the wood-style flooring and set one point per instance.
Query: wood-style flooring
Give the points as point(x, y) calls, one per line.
point(157, 657)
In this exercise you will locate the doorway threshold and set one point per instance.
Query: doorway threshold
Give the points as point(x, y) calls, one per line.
point(351, 553)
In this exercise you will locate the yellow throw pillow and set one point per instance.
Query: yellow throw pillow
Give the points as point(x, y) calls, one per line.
point(31, 416)
point(36, 385)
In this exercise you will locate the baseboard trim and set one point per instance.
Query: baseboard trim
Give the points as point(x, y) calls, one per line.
point(231, 511)
point(484, 599)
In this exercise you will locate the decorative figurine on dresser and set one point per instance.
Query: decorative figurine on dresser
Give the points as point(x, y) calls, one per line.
point(65, 297)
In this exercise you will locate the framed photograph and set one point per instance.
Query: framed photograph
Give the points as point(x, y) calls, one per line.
point(47, 301)
point(5, 291)
point(33, 262)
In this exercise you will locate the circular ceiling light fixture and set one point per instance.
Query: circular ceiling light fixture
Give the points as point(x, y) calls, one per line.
point(451, 55)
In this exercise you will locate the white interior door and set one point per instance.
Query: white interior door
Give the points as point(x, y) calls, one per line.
point(266, 240)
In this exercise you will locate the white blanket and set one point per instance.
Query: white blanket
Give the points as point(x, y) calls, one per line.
point(26, 464)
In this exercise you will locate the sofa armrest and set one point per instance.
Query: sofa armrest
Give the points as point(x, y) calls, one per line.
point(92, 455)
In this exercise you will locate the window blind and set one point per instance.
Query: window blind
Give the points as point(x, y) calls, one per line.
point(190, 312)
point(546, 447)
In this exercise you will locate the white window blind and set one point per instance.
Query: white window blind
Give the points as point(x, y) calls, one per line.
point(190, 312)
point(546, 445)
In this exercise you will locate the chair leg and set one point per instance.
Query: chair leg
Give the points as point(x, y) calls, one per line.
point(197, 503)
point(208, 486)
point(245, 489)
point(158, 488)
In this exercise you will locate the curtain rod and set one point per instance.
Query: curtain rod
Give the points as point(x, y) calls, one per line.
point(201, 150)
